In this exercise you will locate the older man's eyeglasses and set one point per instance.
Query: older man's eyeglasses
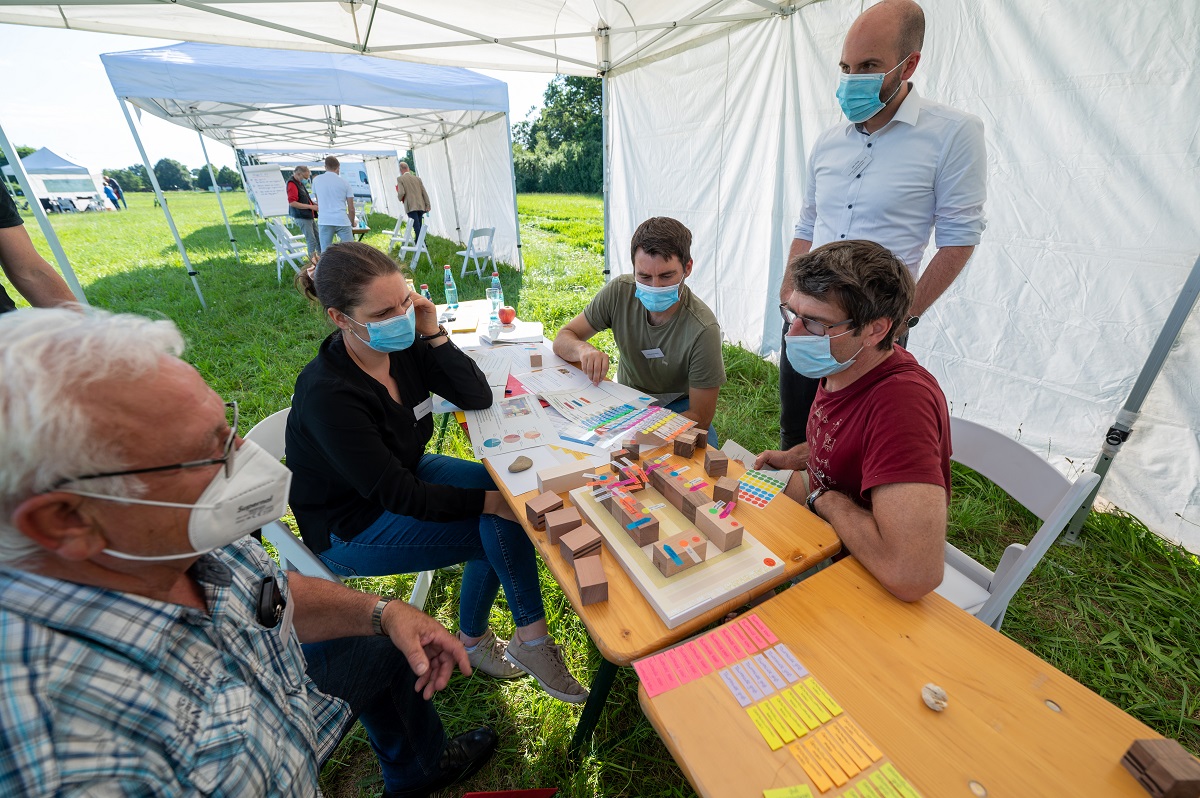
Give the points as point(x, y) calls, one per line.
point(226, 458)
point(813, 326)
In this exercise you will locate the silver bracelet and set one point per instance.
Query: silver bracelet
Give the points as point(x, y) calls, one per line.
point(377, 616)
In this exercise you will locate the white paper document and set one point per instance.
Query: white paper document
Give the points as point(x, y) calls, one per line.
point(510, 424)
point(554, 379)
point(495, 366)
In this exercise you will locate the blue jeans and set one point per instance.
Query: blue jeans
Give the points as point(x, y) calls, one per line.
point(373, 677)
point(683, 403)
point(496, 552)
point(327, 231)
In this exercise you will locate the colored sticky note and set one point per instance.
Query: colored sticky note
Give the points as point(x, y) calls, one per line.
point(712, 649)
point(731, 643)
point(759, 679)
point(855, 733)
point(801, 709)
point(865, 790)
point(748, 682)
point(762, 628)
point(695, 655)
point(769, 670)
point(799, 791)
point(736, 688)
point(736, 630)
point(845, 762)
point(790, 658)
point(777, 723)
point(810, 701)
point(656, 676)
point(827, 762)
point(896, 780)
point(811, 767)
point(784, 669)
point(682, 668)
point(843, 741)
point(764, 728)
point(753, 633)
point(822, 696)
point(881, 784)
point(784, 711)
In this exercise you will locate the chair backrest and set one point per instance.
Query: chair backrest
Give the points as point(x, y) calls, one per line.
point(404, 230)
point(269, 433)
point(419, 245)
point(485, 248)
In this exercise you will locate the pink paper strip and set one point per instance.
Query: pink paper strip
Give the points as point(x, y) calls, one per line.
point(712, 647)
point(655, 674)
point(742, 637)
point(731, 643)
point(753, 634)
point(683, 669)
point(695, 655)
point(763, 629)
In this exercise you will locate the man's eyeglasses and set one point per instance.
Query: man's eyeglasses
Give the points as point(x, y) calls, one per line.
point(226, 458)
point(813, 326)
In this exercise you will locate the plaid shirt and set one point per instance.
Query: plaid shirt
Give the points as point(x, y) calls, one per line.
point(111, 693)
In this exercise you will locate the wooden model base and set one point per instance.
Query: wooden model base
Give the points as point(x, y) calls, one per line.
point(724, 533)
point(560, 522)
point(726, 490)
point(537, 507)
point(592, 582)
point(580, 542)
point(716, 463)
point(673, 556)
point(1164, 768)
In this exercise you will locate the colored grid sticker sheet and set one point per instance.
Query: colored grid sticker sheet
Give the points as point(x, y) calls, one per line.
point(759, 487)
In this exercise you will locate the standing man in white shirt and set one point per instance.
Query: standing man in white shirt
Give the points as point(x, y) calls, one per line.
point(900, 167)
point(335, 198)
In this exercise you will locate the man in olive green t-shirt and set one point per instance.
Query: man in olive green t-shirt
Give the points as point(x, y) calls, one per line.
point(669, 340)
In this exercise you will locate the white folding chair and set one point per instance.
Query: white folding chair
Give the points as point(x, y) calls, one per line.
point(1035, 484)
point(290, 248)
point(475, 251)
point(402, 236)
point(293, 554)
point(416, 248)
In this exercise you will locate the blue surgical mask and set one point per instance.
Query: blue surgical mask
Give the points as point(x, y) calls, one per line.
point(390, 335)
point(859, 94)
point(810, 355)
point(656, 300)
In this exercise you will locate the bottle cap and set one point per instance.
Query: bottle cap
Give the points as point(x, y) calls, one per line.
point(424, 285)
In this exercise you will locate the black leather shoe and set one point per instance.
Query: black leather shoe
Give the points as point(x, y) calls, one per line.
point(461, 758)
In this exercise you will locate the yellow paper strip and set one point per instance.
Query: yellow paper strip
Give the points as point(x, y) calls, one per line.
point(810, 701)
point(855, 733)
point(779, 724)
point(764, 728)
point(880, 782)
point(812, 768)
point(822, 696)
point(899, 782)
point(784, 711)
point(865, 790)
point(800, 708)
point(799, 791)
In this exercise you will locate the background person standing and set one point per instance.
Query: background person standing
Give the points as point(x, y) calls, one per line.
point(303, 209)
point(335, 198)
point(411, 192)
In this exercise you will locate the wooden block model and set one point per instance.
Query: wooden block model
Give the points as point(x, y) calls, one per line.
point(643, 531)
point(672, 489)
point(692, 501)
point(716, 463)
point(560, 522)
point(683, 445)
point(1164, 768)
point(724, 533)
point(699, 436)
point(537, 507)
point(580, 542)
point(725, 490)
point(535, 361)
point(589, 576)
point(614, 459)
point(632, 446)
point(569, 476)
point(675, 555)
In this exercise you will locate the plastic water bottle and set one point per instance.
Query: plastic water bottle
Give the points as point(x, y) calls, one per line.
point(425, 291)
point(451, 289)
point(497, 286)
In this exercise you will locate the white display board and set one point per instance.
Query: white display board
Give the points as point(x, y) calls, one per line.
point(267, 189)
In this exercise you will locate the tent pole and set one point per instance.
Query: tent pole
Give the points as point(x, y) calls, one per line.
point(217, 190)
point(453, 195)
point(605, 164)
point(187, 264)
point(35, 205)
point(512, 173)
point(1119, 432)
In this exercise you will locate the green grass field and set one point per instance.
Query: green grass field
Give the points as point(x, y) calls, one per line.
point(1120, 614)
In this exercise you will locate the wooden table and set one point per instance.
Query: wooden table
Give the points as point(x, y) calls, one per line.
point(626, 627)
point(873, 653)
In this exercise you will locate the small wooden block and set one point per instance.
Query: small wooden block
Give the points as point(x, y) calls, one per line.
point(535, 361)
point(560, 522)
point(725, 490)
point(589, 576)
point(671, 556)
point(1164, 768)
point(566, 477)
point(682, 446)
point(673, 490)
point(643, 534)
point(716, 463)
point(579, 542)
point(692, 501)
point(699, 437)
point(632, 446)
point(537, 507)
point(724, 533)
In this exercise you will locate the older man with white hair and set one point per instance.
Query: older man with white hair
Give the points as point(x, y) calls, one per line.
point(147, 644)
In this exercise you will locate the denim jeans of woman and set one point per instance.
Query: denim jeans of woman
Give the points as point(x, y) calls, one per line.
point(496, 551)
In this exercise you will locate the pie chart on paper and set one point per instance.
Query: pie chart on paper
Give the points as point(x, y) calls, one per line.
point(492, 443)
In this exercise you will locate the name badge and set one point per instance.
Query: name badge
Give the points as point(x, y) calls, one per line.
point(423, 409)
point(858, 166)
point(652, 354)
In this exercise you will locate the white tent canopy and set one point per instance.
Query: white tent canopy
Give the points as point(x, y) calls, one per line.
point(711, 107)
point(341, 102)
point(51, 175)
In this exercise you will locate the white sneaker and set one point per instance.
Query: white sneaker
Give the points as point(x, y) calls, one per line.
point(544, 662)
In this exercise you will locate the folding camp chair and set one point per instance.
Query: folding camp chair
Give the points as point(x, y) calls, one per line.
point(416, 249)
point(474, 251)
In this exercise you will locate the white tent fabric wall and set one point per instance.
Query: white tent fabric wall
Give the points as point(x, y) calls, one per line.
point(381, 175)
point(1093, 211)
point(484, 196)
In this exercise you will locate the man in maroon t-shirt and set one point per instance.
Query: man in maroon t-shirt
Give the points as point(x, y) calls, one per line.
point(878, 451)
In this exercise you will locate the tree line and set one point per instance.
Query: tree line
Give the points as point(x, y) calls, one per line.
point(173, 176)
point(560, 149)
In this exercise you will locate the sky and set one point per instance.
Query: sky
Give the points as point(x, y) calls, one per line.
point(57, 95)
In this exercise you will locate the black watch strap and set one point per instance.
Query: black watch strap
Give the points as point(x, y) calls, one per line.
point(440, 332)
point(811, 501)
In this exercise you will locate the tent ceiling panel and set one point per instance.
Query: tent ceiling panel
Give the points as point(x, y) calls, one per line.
point(529, 35)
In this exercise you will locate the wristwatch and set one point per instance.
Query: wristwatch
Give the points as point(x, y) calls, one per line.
point(811, 501)
point(377, 616)
point(441, 330)
point(911, 321)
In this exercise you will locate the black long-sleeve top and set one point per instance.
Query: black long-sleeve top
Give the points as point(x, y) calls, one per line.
point(353, 450)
